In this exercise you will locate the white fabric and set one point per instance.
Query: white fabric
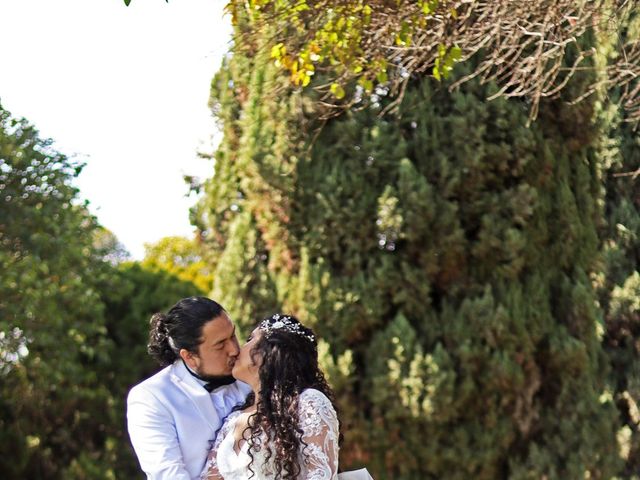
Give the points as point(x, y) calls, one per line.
point(172, 421)
point(319, 461)
point(362, 474)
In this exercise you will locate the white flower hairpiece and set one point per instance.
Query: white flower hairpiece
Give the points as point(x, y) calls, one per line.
point(286, 323)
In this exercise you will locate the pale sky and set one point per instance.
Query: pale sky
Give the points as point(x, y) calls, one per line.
point(125, 89)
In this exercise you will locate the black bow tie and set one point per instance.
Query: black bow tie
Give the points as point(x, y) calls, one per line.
point(212, 382)
point(218, 382)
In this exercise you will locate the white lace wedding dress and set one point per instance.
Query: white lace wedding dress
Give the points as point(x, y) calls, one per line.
point(319, 423)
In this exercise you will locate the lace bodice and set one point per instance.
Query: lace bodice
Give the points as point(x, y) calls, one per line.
point(319, 423)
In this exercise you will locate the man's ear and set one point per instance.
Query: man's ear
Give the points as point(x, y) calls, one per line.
point(189, 358)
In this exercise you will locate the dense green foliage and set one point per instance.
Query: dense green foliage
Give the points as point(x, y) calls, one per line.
point(619, 288)
point(619, 282)
point(49, 304)
point(447, 254)
point(73, 322)
point(618, 279)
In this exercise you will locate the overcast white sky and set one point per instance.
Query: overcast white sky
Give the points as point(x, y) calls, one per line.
point(124, 88)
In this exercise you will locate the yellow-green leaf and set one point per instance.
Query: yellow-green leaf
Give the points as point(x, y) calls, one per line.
point(455, 53)
point(436, 70)
point(366, 84)
point(278, 50)
point(337, 90)
point(382, 76)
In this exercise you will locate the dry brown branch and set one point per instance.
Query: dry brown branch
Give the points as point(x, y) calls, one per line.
point(633, 175)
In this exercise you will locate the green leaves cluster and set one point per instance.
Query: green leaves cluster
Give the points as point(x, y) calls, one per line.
point(447, 58)
point(347, 38)
point(182, 258)
point(337, 40)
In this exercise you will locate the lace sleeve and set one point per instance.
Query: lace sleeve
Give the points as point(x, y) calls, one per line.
point(319, 422)
point(210, 471)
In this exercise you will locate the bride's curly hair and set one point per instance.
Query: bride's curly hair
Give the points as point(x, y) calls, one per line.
point(289, 366)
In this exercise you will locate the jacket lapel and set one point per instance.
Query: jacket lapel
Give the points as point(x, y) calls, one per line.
point(196, 392)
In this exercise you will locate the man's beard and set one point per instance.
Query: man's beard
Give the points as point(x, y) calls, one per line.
point(213, 379)
point(217, 381)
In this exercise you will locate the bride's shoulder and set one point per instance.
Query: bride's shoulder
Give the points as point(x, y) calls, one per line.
point(313, 397)
point(316, 412)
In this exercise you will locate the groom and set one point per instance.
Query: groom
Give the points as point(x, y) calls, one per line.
point(174, 415)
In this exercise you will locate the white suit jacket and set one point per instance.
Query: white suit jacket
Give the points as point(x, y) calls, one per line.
point(172, 421)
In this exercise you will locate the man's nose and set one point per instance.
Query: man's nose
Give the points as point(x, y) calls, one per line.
point(234, 350)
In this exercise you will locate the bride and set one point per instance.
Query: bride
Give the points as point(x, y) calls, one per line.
point(288, 428)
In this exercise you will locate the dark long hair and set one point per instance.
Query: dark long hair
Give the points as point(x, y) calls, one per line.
point(180, 327)
point(289, 366)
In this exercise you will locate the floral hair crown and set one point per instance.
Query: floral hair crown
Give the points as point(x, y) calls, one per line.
point(285, 323)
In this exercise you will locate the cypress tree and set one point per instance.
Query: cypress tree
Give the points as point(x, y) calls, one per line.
point(446, 255)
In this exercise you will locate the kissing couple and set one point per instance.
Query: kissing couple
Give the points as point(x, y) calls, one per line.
point(218, 411)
